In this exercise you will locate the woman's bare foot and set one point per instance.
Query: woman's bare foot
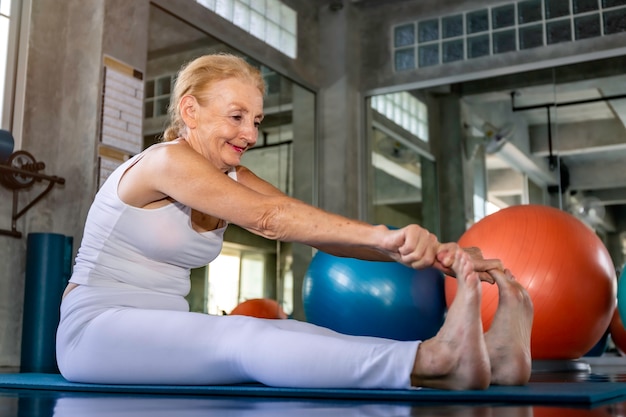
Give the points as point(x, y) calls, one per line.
point(456, 357)
point(508, 338)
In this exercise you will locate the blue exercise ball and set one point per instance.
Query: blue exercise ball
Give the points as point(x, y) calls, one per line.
point(621, 295)
point(366, 298)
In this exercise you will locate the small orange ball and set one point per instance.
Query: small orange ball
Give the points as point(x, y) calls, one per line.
point(263, 308)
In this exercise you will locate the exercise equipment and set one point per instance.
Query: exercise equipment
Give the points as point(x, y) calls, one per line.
point(366, 298)
point(6, 145)
point(565, 268)
point(264, 308)
point(48, 270)
point(621, 295)
point(20, 170)
point(582, 393)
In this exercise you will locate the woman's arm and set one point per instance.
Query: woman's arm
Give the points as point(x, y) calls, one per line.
point(176, 171)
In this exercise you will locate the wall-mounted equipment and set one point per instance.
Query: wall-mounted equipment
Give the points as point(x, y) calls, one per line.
point(20, 170)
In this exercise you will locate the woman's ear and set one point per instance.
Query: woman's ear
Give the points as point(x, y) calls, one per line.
point(188, 110)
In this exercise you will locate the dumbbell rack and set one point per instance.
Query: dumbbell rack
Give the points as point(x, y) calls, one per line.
point(20, 172)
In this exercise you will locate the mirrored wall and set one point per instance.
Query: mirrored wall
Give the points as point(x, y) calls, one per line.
point(553, 136)
point(249, 266)
point(401, 183)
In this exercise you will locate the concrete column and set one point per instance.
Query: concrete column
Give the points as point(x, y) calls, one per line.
point(454, 174)
point(340, 111)
point(305, 183)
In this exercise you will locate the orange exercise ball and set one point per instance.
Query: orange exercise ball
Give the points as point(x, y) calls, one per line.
point(563, 265)
point(263, 308)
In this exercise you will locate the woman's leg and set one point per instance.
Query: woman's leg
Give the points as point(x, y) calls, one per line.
point(142, 346)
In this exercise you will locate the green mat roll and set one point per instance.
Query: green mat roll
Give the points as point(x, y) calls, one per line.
point(48, 268)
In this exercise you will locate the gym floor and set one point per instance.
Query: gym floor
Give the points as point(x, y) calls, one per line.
point(27, 403)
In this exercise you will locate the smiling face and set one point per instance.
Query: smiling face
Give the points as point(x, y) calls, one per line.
point(226, 124)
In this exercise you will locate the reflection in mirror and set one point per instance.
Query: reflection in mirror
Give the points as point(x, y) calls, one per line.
point(399, 149)
point(552, 136)
point(564, 133)
point(249, 266)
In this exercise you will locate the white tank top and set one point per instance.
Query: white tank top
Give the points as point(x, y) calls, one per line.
point(147, 248)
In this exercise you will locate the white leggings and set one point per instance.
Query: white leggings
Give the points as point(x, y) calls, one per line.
point(132, 336)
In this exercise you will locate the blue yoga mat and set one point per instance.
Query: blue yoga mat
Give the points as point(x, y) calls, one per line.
point(566, 393)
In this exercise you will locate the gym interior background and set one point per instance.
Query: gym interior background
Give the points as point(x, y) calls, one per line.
point(430, 111)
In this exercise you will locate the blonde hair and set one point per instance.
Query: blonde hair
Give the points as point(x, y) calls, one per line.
point(196, 77)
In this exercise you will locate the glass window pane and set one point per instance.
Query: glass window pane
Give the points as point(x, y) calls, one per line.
point(477, 21)
point(5, 8)
point(252, 276)
point(614, 21)
point(529, 11)
point(478, 46)
point(422, 111)
point(531, 37)
point(404, 59)
point(225, 9)
point(428, 55)
point(582, 6)
point(161, 107)
point(258, 5)
point(272, 10)
point(452, 50)
point(209, 4)
point(404, 35)
point(288, 43)
point(613, 3)
point(428, 30)
point(504, 41)
point(559, 31)
point(149, 89)
point(223, 284)
point(241, 16)
point(164, 86)
point(503, 16)
point(288, 18)
point(557, 8)
point(587, 26)
point(272, 34)
point(257, 25)
point(452, 26)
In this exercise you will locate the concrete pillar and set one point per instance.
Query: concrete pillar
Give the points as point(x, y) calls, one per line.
point(340, 112)
point(454, 174)
point(305, 184)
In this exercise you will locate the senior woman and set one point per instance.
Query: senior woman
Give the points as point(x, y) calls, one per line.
point(124, 318)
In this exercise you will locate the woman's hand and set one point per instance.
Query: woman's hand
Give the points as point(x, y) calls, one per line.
point(412, 246)
point(417, 248)
point(445, 259)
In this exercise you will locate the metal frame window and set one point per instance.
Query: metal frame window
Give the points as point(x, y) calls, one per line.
point(503, 28)
point(269, 20)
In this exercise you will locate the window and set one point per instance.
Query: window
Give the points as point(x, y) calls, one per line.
point(5, 16)
point(157, 99)
point(268, 20)
point(503, 28)
point(405, 110)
